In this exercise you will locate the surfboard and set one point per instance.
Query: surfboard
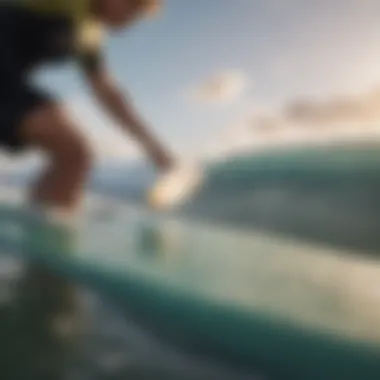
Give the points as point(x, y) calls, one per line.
point(252, 300)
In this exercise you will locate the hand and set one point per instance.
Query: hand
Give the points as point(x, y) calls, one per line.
point(175, 187)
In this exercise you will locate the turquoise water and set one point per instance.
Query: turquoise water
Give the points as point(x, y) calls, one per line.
point(322, 202)
point(237, 296)
point(51, 329)
point(54, 328)
point(327, 195)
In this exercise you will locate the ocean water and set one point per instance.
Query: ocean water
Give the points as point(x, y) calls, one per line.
point(53, 329)
point(323, 194)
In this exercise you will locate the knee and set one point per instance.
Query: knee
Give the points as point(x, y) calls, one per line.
point(75, 151)
point(58, 137)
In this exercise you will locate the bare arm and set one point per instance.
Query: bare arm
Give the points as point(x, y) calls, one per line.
point(116, 104)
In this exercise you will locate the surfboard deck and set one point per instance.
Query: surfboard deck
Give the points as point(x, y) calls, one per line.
point(257, 301)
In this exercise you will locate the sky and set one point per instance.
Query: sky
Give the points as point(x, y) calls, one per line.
point(203, 65)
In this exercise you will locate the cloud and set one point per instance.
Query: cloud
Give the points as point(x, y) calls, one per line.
point(303, 121)
point(363, 108)
point(222, 87)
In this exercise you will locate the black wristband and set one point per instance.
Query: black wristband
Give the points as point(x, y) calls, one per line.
point(91, 61)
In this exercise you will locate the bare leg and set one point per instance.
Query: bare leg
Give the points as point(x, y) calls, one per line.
point(61, 186)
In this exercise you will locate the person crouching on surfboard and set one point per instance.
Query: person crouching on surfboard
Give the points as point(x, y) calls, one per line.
point(35, 32)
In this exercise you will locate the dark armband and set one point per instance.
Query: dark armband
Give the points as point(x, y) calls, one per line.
point(91, 61)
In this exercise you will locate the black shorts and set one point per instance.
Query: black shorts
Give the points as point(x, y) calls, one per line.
point(26, 40)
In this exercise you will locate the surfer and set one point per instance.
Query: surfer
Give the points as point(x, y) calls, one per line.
point(35, 32)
